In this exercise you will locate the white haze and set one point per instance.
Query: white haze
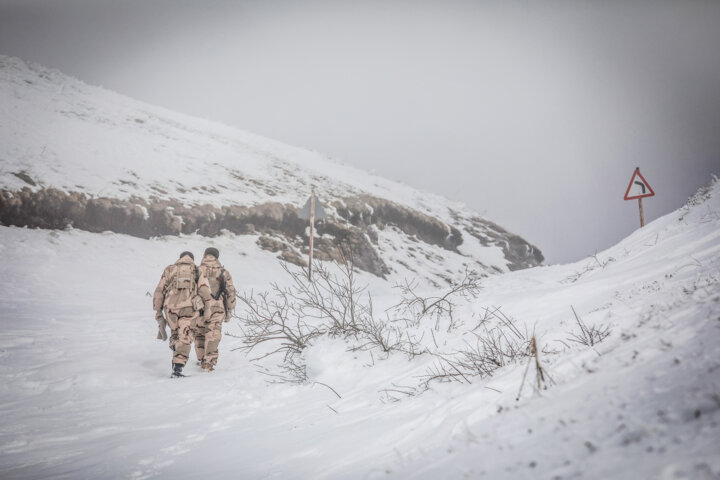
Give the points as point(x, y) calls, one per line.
point(536, 116)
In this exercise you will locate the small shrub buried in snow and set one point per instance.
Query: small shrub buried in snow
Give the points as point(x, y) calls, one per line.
point(588, 336)
point(438, 307)
point(701, 196)
point(289, 318)
point(589, 268)
point(494, 348)
point(275, 317)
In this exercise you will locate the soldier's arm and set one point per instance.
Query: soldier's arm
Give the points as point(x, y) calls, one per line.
point(230, 289)
point(159, 295)
point(204, 286)
point(203, 290)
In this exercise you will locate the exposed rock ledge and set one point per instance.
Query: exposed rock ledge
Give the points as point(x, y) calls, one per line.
point(278, 225)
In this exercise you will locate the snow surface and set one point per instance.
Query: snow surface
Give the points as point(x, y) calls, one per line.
point(85, 393)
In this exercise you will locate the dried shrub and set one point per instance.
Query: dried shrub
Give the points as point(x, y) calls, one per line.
point(588, 335)
point(495, 346)
point(414, 308)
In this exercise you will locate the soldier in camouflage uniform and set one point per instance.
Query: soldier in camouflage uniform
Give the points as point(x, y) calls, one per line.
point(177, 296)
point(218, 293)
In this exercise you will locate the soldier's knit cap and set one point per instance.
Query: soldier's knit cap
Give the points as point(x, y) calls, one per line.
point(187, 253)
point(212, 251)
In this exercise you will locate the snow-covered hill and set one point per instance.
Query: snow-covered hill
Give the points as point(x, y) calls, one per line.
point(85, 393)
point(627, 339)
point(72, 154)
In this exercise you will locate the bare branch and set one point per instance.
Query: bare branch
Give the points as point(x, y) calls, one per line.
point(328, 386)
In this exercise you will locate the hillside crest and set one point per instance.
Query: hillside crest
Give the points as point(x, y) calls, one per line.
point(81, 156)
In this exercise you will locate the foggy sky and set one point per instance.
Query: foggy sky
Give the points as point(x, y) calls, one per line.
point(535, 116)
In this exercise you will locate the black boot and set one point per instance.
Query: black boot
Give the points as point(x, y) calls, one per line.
point(177, 370)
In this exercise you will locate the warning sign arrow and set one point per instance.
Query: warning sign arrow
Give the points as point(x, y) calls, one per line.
point(638, 187)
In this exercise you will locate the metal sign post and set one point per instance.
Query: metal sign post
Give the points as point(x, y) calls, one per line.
point(312, 210)
point(312, 225)
point(639, 188)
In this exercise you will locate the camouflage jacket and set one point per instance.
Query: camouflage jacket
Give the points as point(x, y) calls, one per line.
point(167, 295)
point(210, 271)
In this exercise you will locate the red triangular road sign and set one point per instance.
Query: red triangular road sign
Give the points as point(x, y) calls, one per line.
point(638, 187)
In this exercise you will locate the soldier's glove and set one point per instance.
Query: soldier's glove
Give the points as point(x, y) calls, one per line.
point(162, 334)
point(162, 323)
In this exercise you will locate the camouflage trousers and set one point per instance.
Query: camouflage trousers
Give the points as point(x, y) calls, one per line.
point(182, 333)
point(207, 338)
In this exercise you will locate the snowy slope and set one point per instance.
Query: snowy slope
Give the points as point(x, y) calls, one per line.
point(85, 393)
point(74, 143)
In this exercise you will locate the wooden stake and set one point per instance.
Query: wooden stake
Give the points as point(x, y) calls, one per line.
point(522, 383)
point(642, 216)
point(312, 225)
point(539, 370)
point(540, 376)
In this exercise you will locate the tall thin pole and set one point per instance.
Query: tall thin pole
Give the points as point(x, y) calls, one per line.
point(642, 215)
point(312, 225)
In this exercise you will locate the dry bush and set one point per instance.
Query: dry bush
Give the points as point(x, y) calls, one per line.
point(414, 308)
point(589, 267)
point(381, 334)
point(494, 347)
point(588, 335)
point(275, 317)
point(290, 317)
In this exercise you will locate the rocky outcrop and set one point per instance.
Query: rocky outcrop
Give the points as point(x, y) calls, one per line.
point(278, 225)
point(353, 228)
point(365, 210)
point(519, 253)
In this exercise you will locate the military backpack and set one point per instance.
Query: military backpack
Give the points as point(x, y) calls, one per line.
point(186, 277)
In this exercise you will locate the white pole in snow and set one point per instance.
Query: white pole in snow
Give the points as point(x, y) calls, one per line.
point(312, 224)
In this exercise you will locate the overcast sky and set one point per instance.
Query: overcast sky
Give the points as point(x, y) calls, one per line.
point(533, 113)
